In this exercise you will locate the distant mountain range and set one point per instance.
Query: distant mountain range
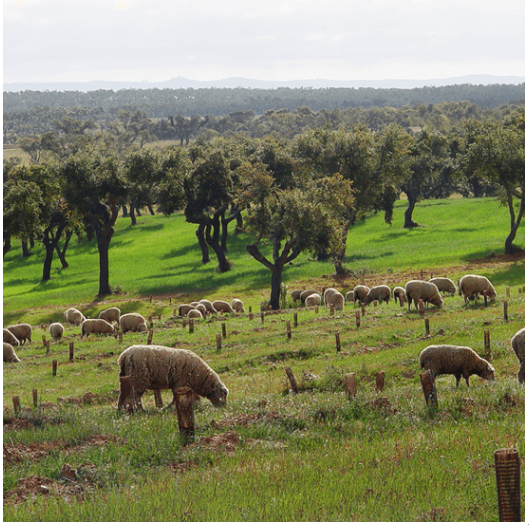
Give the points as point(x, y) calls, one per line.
point(181, 82)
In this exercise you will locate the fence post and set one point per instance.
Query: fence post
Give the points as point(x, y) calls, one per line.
point(508, 291)
point(54, 367)
point(421, 306)
point(149, 337)
point(295, 319)
point(185, 412)
point(292, 379)
point(363, 309)
point(505, 310)
point(223, 326)
point(262, 317)
point(357, 315)
point(338, 344)
point(126, 394)
point(16, 404)
point(71, 351)
point(380, 382)
point(507, 465)
point(47, 345)
point(427, 325)
point(158, 401)
point(350, 385)
point(35, 397)
point(331, 309)
point(120, 336)
point(289, 330)
point(191, 326)
point(428, 387)
point(219, 341)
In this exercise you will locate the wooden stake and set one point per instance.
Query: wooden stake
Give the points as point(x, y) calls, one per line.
point(16, 404)
point(126, 395)
point(427, 325)
point(421, 306)
point(331, 309)
point(149, 337)
point(289, 330)
point(223, 326)
point(507, 467)
point(505, 310)
point(184, 409)
point(380, 382)
point(54, 367)
point(350, 385)
point(428, 387)
point(486, 340)
point(158, 401)
point(35, 397)
point(44, 341)
point(262, 317)
point(249, 309)
point(508, 291)
point(375, 303)
point(71, 351)
point(219, 341)
point(338, 344)
point(357, 315)
point(292, 379)
point(47, 345)
point(120, 337)
point(191, 326)
point(316, 309)
point(250, 316)
point(295, 319)
point(485, 300)
point(363, 309)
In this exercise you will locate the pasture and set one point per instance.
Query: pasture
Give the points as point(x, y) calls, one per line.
point(271, 454)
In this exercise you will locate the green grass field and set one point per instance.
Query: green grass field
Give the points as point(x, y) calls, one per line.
point(271, 454)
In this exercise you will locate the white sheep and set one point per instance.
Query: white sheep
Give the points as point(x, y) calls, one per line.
point(183, 309)
point(208, 305)
point(195, 314)
point(296, 295)
point(223, 307)
point(9, 354)
point(132, 322)
point(97, 326)
point(21, 331)
point(424, 290)
point(305, 293)
point(349, 296)
point(460, 361)
point(74, 316)
point(518, 345)
point(378, 293)
point(399, 293)
point(56, 331)
point(10, 338)
point(337, 300)
point(327, 293)
point(238, 306)
point(360, 293)
point(471, 285)
point(156, 367)
point(111, 314)
point(202, 309)
point(444, 284)
point(313, 300)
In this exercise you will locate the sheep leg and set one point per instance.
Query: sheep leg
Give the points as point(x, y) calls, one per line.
point(458, 378)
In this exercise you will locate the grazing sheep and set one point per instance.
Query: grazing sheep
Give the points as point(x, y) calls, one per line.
point(472, 285)
point(360, 293)
point(193, 304)
point(56, 331)
point(74, 316)
point(202, 309)
point(313, 300)
point(183, 309)
point(10, 338)
point(9, 354)
point(518, 345)
point(156, 367)
point(378, 293)
point(132, 322)
point(97, 326)
point(195, 314)
point(460, 361)
point(337, 300)
point(111, 314)
point(296, 295)
point(349, 296)
point(444, 284)
point(327, 293)
point(305, 293)
point(21, 331)
point(424, 290)
point(208, 305)
point(223, 307)
point(399, 293)
point(238, 306)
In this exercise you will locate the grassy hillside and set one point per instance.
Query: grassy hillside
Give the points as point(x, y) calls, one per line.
point(161, 256)
point(271, 454)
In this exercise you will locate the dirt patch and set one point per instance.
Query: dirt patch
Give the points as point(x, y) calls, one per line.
point(227, 441)
point(244, 420)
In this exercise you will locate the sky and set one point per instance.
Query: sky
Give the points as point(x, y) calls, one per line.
point(156, 40)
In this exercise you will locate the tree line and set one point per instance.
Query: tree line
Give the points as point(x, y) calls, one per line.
point(293, 195)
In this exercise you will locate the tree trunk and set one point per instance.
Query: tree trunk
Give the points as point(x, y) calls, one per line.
point(339, 267)
point(275, 286)
point(103, 244)
point(240, 225)
point(46, 269)
point(7, 244)
point(408, 222)
point(125, 211)
point(25, 249)
point(62, 253)
point(213, 241)
point(515, 221)
point(202, 243)
point(151, 211)
point(132, 214)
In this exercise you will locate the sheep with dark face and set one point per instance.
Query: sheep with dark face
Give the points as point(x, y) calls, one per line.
point(518, 345)
point(460, 361)
point(155, 367)
point(10, 338)
point(305, 293)
point(399, 293)
point(9, 354)
point(296, 295)
point(360, 293)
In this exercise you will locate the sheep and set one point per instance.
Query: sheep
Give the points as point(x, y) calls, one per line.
point(399, 293)
point(378, 293)
point(223, 307)
point(349, 296)
point(208, 305)
point(21, 331)
point(472, 285)
point(238, 306)
point(360, 293)
point(327, 293)
point(74, 316)
point(132, 322)
point(296, 295)
point(444, 284)
point(305, 293)
point(313, 300)
point(202, 309)
point(337, 300)
point(455, 360)
point(97, 326)
point(9, 354)
point(183, 309)
point(156, 367)
point(424, 290)
point(195, 314)
point(56, 331)
point(10, 338)
point(518, 345)
point(111, 314)
point(193, 304)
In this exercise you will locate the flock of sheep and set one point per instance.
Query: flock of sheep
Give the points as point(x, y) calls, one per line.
point(155, 367)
